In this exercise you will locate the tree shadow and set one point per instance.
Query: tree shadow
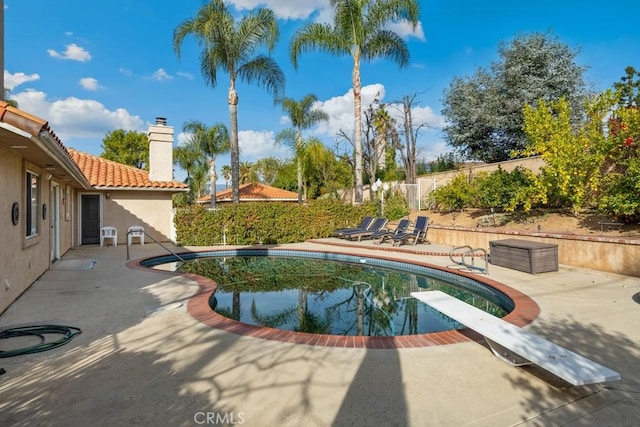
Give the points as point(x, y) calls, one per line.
point(591, 404)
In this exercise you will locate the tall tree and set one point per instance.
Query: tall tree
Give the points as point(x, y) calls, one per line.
point(127, 147)
point(629, 88)
point(226, 174)
point(303, 114)
point(212, 140)
point(411, 131)
point(360, 30)
point(484, 112)
point(232, 46)
point(190, 158)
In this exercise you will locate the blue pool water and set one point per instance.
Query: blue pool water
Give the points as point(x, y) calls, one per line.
point(328, 293)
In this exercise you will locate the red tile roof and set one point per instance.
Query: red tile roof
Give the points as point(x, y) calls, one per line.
point(254, 192)
point(106, 173)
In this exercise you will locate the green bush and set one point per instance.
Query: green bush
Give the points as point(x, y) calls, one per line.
point(266, 223)
point(395, 205)
point(456, 195)
point(511, 191)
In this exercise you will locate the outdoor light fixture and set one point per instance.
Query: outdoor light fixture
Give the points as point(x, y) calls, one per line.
point(379, 185)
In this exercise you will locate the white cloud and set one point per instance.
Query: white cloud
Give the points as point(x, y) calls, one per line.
point(256, 145)
point(185, 75)
point(12, 81)
point(73, 52)
point(405, 30)
point(340, 110)
point(161, 75)
point(285, 9)
point(125, 71)
point(77, 118)
point(89, 83)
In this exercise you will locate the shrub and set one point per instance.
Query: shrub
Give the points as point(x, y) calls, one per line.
point(456, 195)
point(265, 223)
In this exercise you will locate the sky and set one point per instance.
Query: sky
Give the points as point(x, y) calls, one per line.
point(91, 67)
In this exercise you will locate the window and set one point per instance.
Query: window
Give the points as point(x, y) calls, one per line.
point(32, 204)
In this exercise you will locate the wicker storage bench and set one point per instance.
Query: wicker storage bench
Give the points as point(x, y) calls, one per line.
point(524, 255)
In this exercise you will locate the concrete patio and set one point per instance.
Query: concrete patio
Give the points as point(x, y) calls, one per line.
point(142, 359)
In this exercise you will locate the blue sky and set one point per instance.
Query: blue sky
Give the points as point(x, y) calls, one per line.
point(89, 67)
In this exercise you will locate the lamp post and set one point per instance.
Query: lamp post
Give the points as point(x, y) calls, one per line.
point(379, 185)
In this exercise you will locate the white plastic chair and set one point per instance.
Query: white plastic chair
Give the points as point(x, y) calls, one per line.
point(108, 233)
point(135, 231)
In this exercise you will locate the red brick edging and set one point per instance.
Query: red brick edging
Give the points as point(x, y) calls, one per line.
point(526, 310)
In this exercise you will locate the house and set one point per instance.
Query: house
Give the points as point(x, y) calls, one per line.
point(253, 192)
point(55, 198)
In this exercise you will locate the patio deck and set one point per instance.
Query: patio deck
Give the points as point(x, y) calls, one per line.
point(142, 359)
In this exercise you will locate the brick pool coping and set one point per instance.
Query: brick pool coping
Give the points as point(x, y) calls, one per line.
point(525, 311)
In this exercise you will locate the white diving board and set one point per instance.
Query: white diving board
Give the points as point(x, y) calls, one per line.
point(517, 346)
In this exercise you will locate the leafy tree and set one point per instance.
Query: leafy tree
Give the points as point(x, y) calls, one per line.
point(211, 140)
point(360, 30)
point(318, 162)
point(231, 46)
point(303, 114)
point(444, 162)
point(621, 182)
point(189, 157)
point(484, 111)
point(629, 88)
point(267, 169)
point(573, 157)
point(127, 147)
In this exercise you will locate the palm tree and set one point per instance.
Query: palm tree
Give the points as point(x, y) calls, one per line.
point(303, 115)
point(188, 156)
point(226, 174)
point(231, 46)
point(247, 173)
point(212, 140)
point(359, 30)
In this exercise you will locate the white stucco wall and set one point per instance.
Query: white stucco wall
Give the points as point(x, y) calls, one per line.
point(23, 260)
point(150, 209)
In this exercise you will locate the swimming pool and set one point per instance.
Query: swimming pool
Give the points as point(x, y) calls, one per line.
point(384, 314)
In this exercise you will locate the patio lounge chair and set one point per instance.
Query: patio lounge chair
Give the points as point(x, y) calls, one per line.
point(417, 235)
point(377, 225)
point(379, 237)
point(365, 223)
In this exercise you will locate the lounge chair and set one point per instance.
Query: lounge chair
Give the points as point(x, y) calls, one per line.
point(377, 225)
point(417, 235)
point(379, 237)
point(365, 223)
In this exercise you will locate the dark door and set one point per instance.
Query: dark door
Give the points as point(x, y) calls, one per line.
point(90, 219)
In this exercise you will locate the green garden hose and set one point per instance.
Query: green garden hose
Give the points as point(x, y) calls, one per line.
point(67, 332)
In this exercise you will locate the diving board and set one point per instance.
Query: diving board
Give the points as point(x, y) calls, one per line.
point(517, 346)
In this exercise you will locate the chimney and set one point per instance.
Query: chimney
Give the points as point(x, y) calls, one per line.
point(160, 151)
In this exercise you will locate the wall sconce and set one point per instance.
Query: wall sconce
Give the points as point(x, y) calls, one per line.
point(47, 177)
point(108, 195)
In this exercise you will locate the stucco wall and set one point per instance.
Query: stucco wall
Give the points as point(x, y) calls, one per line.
point(597, 253)
point(126, 208)
point(22, 260)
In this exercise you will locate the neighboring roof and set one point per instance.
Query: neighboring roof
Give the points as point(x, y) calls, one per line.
point(106, 174)
point(254, 192)
point(36, 142)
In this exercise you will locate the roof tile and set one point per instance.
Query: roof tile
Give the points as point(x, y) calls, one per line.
point(106, 173)
point(254, 192)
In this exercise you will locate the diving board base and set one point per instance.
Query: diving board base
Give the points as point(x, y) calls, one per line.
point(517, 346)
